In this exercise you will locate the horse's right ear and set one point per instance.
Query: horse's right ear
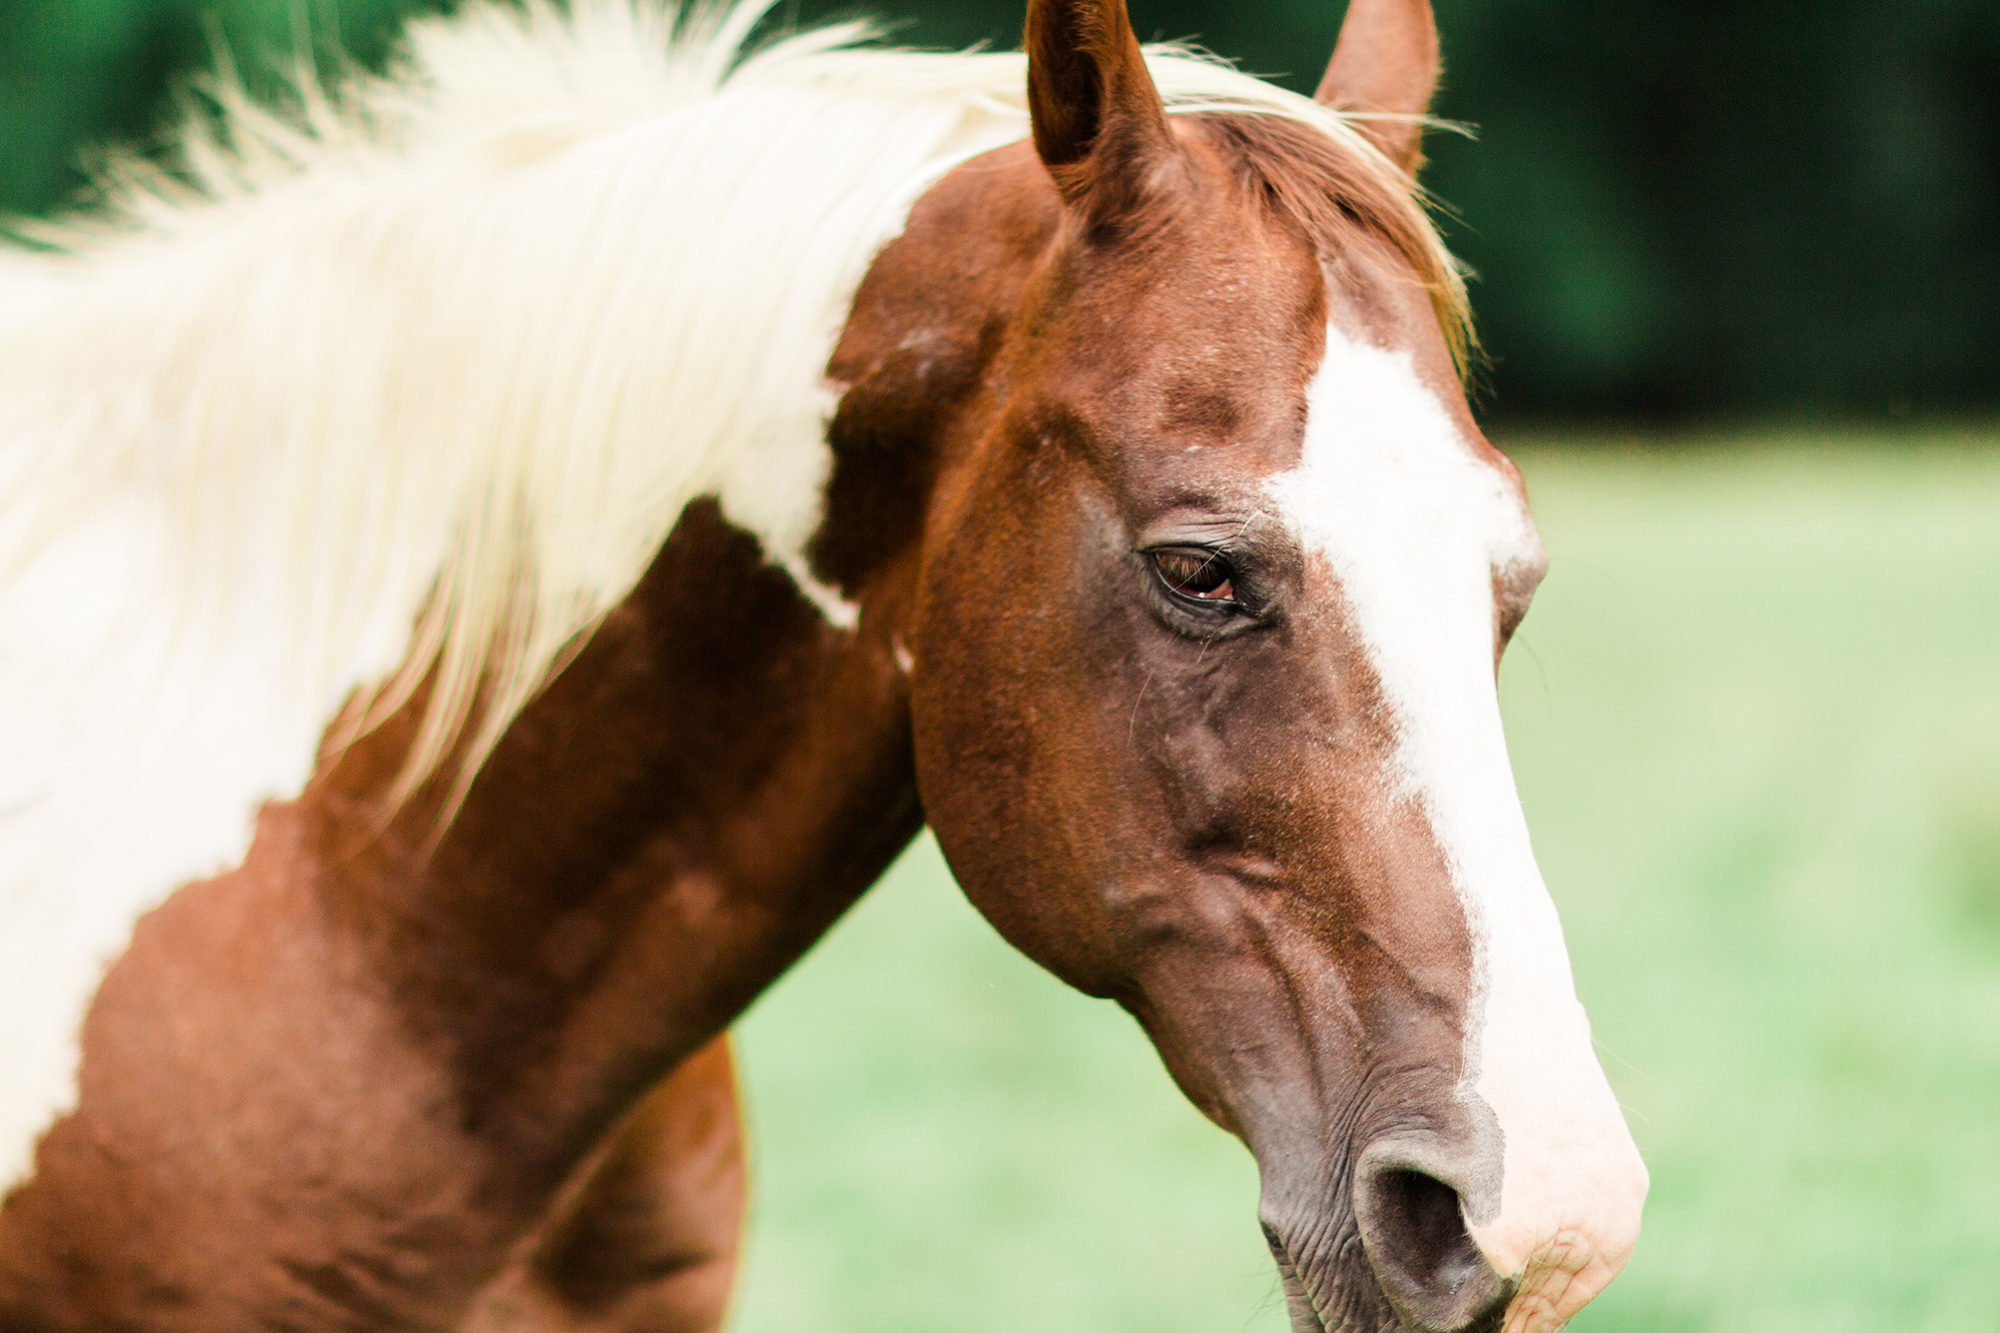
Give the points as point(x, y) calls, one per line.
point(1385, 65)
point(1099, 124)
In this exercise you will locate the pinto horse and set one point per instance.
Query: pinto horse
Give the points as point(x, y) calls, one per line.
point(498, 561)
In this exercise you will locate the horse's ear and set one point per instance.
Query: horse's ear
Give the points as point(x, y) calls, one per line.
point(1385, 64)
point(1099, 124)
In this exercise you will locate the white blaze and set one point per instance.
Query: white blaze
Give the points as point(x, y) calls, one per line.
point(1414, 526)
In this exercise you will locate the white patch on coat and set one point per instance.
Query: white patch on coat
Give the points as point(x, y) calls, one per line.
point(1415, 526)
point(137, 742)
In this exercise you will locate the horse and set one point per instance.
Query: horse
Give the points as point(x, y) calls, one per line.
point(497, 557)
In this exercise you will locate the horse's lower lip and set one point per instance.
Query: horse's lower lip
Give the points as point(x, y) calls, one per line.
point(1304, 1312)
point(1327, 1285)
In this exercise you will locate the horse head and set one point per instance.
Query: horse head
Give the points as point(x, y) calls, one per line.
point(1212, 581)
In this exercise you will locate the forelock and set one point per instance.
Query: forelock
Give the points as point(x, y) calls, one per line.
point(1341, 194)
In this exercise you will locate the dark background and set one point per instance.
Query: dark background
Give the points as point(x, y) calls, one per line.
point(1679, 210)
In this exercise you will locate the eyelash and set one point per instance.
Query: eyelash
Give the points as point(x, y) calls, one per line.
point(1195, 574)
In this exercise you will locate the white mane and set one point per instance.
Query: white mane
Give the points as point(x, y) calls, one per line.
point(416, 383)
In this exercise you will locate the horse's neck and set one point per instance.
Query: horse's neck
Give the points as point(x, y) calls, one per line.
point(431, 1031)
point(691, 803)
point(722, 770)
point(719, 773)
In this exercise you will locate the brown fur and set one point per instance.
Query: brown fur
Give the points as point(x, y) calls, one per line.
point(647, 1237)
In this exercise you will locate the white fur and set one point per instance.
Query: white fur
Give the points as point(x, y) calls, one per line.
point(453, 351)
point(1414, 527)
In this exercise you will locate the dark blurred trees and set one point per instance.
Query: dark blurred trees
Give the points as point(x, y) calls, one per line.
point(1676, 207)
point(1700, 205)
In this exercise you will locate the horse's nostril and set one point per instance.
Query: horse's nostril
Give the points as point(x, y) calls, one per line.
point(1430, 1270)
point(1420, 1224)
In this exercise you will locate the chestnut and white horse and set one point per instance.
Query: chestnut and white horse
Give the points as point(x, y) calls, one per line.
point(492, 565)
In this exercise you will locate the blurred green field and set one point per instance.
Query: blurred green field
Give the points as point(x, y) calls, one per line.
point(1756, 721)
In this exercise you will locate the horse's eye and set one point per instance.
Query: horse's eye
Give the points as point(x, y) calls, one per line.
point(1193, 572)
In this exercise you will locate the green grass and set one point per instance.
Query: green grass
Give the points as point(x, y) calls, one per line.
point(1756, 720)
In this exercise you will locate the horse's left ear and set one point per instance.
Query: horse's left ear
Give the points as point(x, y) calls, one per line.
point(1385, 64)
point(1099, 124)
